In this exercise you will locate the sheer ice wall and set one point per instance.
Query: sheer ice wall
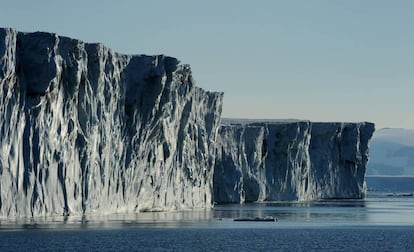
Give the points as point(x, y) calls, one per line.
point(290, 160)
point(84, 129)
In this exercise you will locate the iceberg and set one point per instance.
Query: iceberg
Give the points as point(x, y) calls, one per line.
point(87, 130)
point(259, 161)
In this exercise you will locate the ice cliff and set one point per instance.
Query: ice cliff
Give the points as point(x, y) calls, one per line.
point(290, 160)
point(84, 129)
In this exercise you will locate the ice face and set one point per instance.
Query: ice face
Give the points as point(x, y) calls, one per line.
point(290, 160)
point(87, 130)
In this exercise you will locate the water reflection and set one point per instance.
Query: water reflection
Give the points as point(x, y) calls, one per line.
point(319, 211)
point(375, 210)
point(141, 219)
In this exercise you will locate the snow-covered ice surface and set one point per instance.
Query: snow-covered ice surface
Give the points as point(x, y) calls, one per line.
point(86, 130)
point(290, 160)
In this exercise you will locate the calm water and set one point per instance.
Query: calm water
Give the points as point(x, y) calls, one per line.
point(378, 223)
point(212, 239)
point(391, 183)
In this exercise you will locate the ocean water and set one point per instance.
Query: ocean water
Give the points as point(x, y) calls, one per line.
point(382, 222)
point(212, 239)
point(393, 184)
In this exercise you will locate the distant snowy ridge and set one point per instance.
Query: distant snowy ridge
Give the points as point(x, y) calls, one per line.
point(84, 129)
point(273, 160)
point(392, 152)
point(398, 136)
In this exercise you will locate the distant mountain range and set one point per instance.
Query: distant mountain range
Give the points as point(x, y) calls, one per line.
point(391, 153)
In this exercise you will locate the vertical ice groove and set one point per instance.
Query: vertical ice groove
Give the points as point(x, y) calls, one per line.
point(87, 130)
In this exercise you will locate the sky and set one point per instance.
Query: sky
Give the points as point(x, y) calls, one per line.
point(319, 60)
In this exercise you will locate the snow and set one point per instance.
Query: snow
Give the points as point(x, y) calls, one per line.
point(395, 135)
point(392, 152)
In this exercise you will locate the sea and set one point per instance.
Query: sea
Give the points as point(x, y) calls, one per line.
point(383, 221)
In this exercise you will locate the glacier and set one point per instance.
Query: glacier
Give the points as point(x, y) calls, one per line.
point(86, 130)
point(291, 160)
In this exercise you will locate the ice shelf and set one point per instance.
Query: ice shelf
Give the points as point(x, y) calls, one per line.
point(86, 130)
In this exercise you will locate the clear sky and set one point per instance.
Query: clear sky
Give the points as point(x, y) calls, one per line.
point(331, 60)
